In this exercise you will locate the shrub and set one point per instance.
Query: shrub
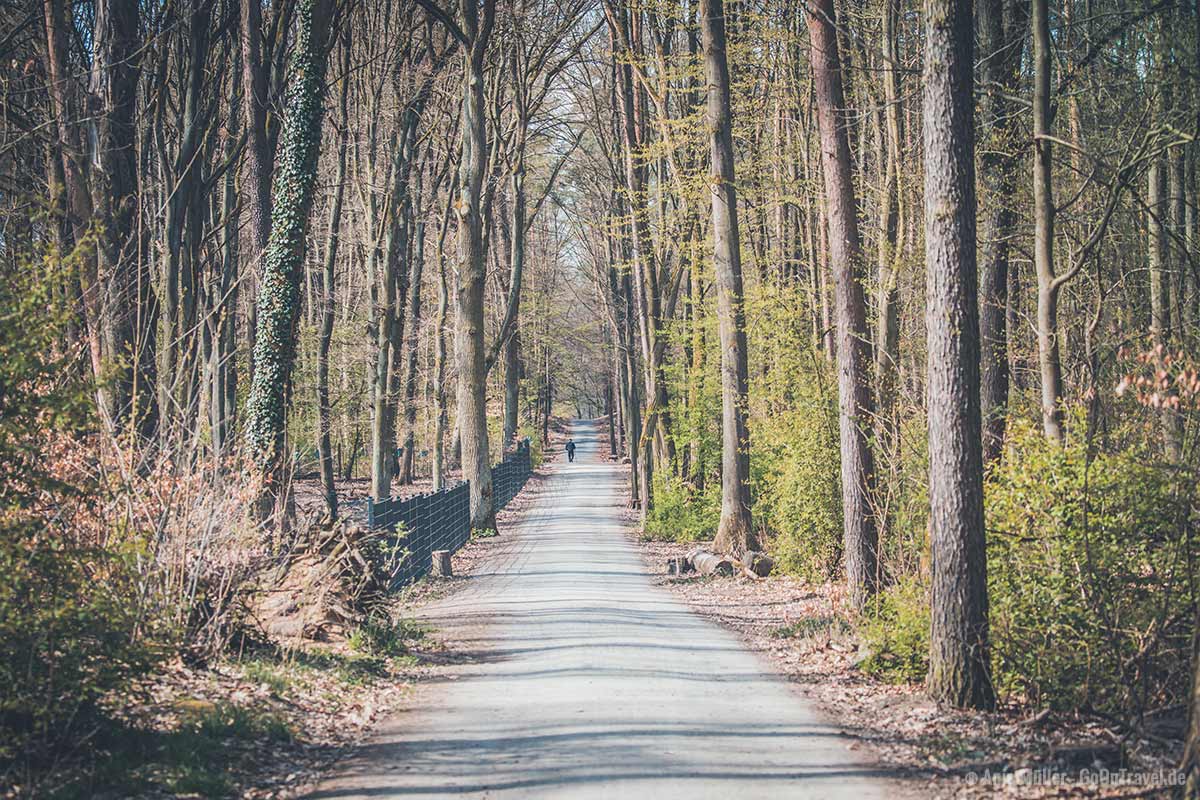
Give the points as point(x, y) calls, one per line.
point(70, 635)
point(895, 631)
point(798, 496)
point(1089, 576)
point(70, 624)
point(681, 513)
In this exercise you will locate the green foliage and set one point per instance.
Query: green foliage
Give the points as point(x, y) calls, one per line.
point(268, 675)
point(40, 386)
point(1089, 576)
point(681, 513)
point(796, 469)
point(70, 635)
point(895, 631)
point(199, 756)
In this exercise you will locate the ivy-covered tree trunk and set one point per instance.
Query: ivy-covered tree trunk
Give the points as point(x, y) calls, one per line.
point(283, 267)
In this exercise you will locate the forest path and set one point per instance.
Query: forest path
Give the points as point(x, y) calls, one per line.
point(587, 680)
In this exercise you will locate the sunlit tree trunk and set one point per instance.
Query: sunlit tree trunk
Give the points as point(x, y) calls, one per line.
point(958, 657)
point(891, 247)
point(259, 160)
point(735, 534)
point(328, 273)
point(853, 358)
point(470, 350)
point(1050, 364)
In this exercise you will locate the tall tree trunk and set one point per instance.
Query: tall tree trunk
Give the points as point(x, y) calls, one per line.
point(1050, 364)
point(410, 368)
point(324, 413)
point(470, 351)
point(259, 161)
point(127, 306)
point(958, 657)
point(1002, 37)
point(283, 266)
point(647, 290)
point(891, 249)
point(845, 249)
point(1161, 319)
point(512, 342)
point(735, 534)
point(440, 412)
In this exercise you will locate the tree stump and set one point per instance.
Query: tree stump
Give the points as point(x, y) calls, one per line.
point(758, 563)
point(441, 564)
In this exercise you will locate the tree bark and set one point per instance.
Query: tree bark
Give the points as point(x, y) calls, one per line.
point(735, 533)
point(1002, 37)
point(259, 160)
point(470, 352)
point(325, 335)
point(1049, 362)
point(410, 368)
point(845, 249)
point(283, 267)
point(958, 658)
point(891, 249)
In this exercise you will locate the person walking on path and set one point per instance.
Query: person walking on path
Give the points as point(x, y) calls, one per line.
point(570, 449)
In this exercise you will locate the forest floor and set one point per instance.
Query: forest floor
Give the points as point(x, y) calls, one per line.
point(803, 630)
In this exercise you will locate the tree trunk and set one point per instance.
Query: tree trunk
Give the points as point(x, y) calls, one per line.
point(324, 423)
point(1002, 38)
point(127, 308)
point(470, 351)
point(891, 248)
point(735, 534)
point(283, 266)
point(410, 369)
point(845, 249)
point(1161, 322)
point(440, 412)
point(259, 160)
point(958, 658)
point(1049, 362)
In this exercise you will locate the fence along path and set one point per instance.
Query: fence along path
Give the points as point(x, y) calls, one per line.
point(442, 520)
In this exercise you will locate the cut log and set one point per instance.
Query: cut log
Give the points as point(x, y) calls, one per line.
point(441, 564)
point(758, 563)
point(709, 563)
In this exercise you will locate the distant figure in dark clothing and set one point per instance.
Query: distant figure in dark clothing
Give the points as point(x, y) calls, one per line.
point(570, 450)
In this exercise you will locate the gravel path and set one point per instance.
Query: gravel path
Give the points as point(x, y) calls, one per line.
point(583, 679)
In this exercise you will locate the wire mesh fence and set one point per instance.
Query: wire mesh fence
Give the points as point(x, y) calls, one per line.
point(442, 520)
